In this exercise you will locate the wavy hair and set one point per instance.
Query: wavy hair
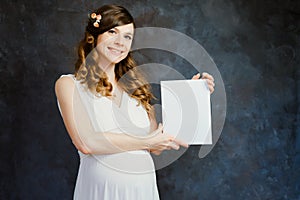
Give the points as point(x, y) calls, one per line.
point(128, 77)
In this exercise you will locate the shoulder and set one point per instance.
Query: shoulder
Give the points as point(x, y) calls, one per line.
point(65, 80)
point(64, 83)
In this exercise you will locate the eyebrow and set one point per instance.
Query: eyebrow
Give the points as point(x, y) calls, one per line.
point(128, 33)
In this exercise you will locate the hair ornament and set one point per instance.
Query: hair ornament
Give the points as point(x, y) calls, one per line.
point(98, 18)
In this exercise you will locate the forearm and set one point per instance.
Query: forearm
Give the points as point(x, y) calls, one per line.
point(110, 143)
point(93, 142)
point(107, 142)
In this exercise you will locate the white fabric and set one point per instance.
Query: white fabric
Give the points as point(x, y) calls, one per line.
point(122, 176)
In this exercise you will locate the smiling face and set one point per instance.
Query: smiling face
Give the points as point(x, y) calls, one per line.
point(114, 44)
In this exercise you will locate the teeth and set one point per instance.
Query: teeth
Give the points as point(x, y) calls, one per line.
point(115, 51)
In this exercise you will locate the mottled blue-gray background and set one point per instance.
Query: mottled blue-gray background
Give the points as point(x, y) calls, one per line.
point(255, 45)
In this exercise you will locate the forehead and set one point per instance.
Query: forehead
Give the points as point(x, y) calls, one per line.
point(127, 28)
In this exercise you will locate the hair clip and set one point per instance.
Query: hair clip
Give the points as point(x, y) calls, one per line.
point(97, 17)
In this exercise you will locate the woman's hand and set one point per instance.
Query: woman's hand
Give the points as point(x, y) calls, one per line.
point(159, 141)
point(208, 78)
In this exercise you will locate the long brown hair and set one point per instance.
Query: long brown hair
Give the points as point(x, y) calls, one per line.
point(128, 77)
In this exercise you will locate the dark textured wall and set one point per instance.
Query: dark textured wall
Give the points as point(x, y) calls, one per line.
point(255, 45)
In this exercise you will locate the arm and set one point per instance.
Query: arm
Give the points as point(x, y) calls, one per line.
point(87, 141)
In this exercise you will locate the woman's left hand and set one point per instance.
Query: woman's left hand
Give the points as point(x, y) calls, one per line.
point(208, 78)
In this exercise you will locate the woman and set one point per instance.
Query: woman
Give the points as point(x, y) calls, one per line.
point(107, 113)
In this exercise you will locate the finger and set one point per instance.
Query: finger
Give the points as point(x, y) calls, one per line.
point(181, 143)
point(197, 76)
point(210, 82)
point(211, 85)
point(175, 146)
point(211, 89)
point(157, 153)
point(206, 75)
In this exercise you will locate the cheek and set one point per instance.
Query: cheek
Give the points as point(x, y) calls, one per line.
point(128, 45)
point(103, 39)
point(100, 48)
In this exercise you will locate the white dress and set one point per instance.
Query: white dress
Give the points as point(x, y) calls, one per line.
point(121, 176)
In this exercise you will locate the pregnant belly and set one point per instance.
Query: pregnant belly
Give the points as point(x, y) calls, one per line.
point(123, 171)
point(131, 162)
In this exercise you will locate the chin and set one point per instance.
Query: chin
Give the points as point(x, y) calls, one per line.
point(117, 60)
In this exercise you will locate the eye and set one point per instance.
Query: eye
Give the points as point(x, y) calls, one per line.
point(112, 31)
point(128, 37)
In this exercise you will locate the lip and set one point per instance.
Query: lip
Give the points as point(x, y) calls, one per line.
point(115, 51)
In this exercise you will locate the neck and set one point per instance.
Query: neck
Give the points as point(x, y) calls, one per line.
point(110, 72)
point(109, 69)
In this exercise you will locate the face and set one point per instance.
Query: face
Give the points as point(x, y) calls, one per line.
point(114, 44)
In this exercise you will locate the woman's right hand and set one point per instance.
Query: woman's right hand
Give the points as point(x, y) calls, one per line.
point(159, 141)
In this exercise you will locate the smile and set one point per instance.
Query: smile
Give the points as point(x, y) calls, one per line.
point(115, 51)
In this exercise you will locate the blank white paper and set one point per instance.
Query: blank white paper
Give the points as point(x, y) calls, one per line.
point(186, 110)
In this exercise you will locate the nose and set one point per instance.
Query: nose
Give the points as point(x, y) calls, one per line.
point(119, 40)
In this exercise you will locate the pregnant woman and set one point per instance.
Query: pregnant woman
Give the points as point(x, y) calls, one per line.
point(105, 106)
